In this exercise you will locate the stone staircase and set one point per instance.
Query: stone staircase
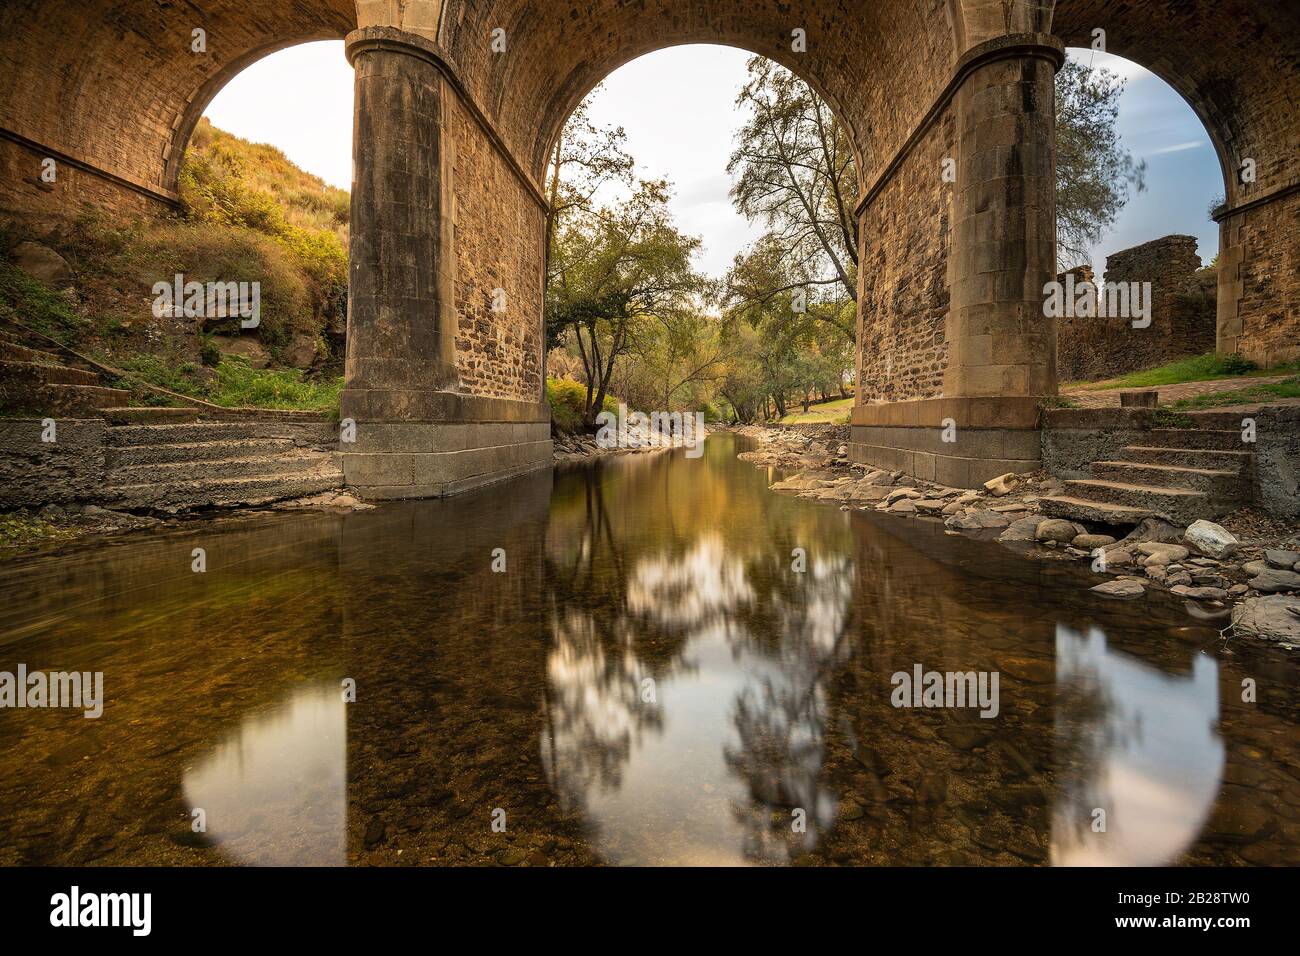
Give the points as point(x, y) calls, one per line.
point(1181, 474)
point(194, 464)
point(35, 380)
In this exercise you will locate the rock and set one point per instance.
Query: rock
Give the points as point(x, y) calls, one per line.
point(1176, 579)
point(1273, 581)
point(1159, 553)
point(512, 856)
point(928, 505)
point(1210, 539)
point(43, 263)
point(1275, 618)
point(1022, 529)
point(300, 352)
point(1255, 567)
point(1125, 588)
point(1237, 590)
point(1119, 556)
point(1056, 529)
point(1002, 484)
point(375, 833)
point(1199, 594)
point(902, 506)
point(1087, 542)
point(1154, 529)
point(1285, 560)
point(977, 520)
point(898, 493)
point(244, 346)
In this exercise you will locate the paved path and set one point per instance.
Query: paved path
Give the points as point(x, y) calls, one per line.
point(1109, 397)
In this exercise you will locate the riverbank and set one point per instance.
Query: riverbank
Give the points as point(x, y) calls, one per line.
point(1242, 572)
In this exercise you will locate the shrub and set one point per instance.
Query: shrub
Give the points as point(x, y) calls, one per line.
point(568, 399)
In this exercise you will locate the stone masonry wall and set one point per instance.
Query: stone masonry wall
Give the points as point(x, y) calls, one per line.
point(1260, 263)
point(498, 245)
point(906, 234)
point(1182, 314)
point(22, 190)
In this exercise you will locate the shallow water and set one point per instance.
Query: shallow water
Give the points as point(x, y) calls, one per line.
point(649, 681)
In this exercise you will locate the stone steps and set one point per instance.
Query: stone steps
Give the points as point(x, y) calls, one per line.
point(124, 436)
point(1180, 505)
point(69, 401)
point(223, 492)
point(152, 415)
point(1188, 457)
point(31, 374)
point(1217, 483)
point(1083, 509)
point(13, 351)
point(130, 456)
point(214, 469)
point(1218, 439)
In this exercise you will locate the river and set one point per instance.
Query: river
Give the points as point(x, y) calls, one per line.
point(650, 659)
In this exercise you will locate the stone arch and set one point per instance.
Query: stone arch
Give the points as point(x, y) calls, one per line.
point(1235, 64)
point(112, 90)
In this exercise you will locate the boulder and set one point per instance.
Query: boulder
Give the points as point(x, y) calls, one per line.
point(1002, 484)
point(1088, 542)
point(1022, 529)
point(1273, 581)
point(1275, 618)
point(1158, 552)
point(1120, 588)
point(902, 493)
point(1056, 529)
point(1199, 594)
point(1277, 558)
point(928, 505)
point(1154, 529)
point(902, 506)
point(1210, 539)
point(43, 263)
point(244, 346)
point(977, 520)
point(300, 352)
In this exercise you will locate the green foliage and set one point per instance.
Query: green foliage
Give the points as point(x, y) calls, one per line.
point(1255, 394)
point(1196, 368)
point(18, 530)
point(569, 401)
point(39, 307)
point(1093, 170)
point(241, 186)
point(236, 383)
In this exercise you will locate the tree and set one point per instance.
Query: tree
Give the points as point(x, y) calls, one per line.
point(615, 270)
point(793, 170)
point(1093, 170)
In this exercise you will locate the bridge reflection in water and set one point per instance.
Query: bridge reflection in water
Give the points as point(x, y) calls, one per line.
point(650, 681)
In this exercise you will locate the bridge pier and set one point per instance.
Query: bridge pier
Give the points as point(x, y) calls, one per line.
point(1000, 348)
point(417, 432)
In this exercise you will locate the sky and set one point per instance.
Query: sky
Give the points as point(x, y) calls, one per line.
point(678, 109)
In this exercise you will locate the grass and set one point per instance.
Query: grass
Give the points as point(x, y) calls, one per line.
point(237, 384)
point(1255, 394)
point(19, 529)
point(834, 413)
point(1195, 368)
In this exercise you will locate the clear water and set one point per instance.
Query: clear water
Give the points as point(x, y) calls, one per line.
point(649, 681)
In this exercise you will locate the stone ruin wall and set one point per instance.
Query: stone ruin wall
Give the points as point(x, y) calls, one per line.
point(1182, 314)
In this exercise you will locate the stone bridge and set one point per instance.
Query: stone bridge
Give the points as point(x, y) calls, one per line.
point(459, 101)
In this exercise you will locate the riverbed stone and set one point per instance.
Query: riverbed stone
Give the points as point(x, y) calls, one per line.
point(1284, 560)
point(1274, 581)
point(1088, 542)
point(1161, 553)
point(1210, 539)
point(1056, 529)
point(1125, 588)
point(1275, 617)
point(1022, 529)
point(979, 519)
point(1199, 594)
point(1002, 484)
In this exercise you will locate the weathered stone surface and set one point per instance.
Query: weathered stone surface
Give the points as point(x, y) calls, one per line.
point(1278, 558)
point(1120, 588)
point(42, 262)
point(1088, 542)
point(979, 519)
point(1002, 485)
point(1022, 529)
point(1276, 618)
point(1056, 529)
point(1198, 594)
point(1273, 581)
point(1210, 539)
point(1157, 552)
